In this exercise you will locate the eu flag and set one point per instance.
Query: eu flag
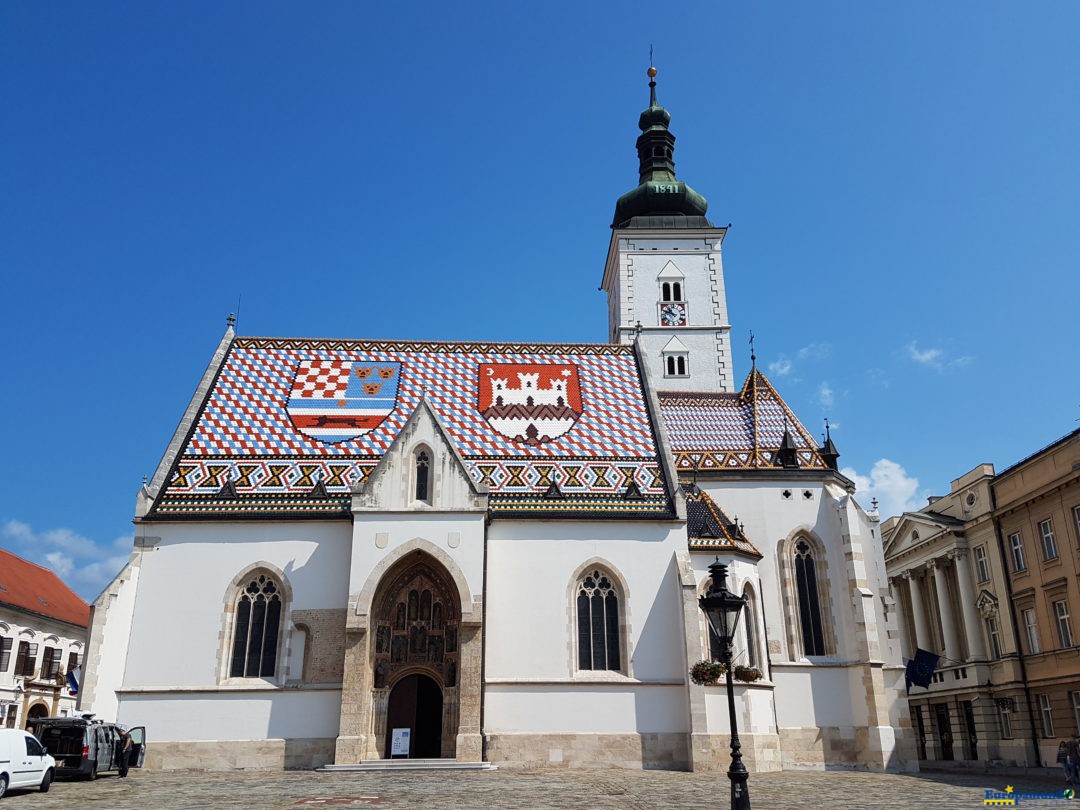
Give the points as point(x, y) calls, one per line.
point(921, 668)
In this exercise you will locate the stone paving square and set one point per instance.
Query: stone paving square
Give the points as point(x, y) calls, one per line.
point(528, 790)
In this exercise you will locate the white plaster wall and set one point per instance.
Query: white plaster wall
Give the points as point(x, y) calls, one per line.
point(530, 630)
point(634, 293)
point(808, 696)
point(115, 609)
point(769, 519)
point(593, 709)
point(753, 709)
point(285, 714)
point(441, 529)
point(740, 573)
point(175, 636)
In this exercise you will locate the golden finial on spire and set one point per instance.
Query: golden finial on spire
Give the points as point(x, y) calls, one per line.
point(652, 72)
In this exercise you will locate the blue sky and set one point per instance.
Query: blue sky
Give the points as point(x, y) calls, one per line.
point(902, 180)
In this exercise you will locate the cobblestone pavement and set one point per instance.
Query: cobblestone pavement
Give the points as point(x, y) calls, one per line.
point(534, 790)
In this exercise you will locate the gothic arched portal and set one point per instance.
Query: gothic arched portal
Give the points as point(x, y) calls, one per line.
point(415, 655)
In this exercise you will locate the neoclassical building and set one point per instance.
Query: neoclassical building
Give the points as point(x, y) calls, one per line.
point(43, 627)
point(986, 578)
point(499, 548)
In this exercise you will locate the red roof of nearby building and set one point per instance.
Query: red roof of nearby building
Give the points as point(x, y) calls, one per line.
point(28, 586)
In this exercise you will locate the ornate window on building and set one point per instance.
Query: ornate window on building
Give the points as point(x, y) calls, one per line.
point(1005, 718)
point(993, 633)
point(806, 589)
point(982, 565)
point(1046, 714)
point(5, 653)
point(1049, 545)
point(1031, 628)
point(26, 660)
point(50, 663)
point(1064, 625)
point(257, 628)
point(599, 629)
point(422, 476)
point(1016, 548)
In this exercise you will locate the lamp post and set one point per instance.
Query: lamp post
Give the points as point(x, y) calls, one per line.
point(722, 608)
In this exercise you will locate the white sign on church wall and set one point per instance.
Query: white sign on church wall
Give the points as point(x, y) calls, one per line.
point(399, 743)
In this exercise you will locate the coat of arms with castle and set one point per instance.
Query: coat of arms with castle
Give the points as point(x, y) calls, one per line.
point(529, 403)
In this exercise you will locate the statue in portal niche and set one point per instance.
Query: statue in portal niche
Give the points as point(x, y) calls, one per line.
point(382, 670)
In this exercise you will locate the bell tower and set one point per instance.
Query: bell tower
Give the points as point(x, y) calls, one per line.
point(664, 278)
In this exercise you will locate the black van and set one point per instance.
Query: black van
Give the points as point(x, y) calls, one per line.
point(84, 747)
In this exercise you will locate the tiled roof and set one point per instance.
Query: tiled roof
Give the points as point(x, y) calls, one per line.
point(285, 415)
point(708, 528)
point(28, 586)
point(734, 431)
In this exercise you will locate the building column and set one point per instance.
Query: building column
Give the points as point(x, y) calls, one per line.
point(965, 581)
point(945, 611)
point(907, 643)
point(918, 610)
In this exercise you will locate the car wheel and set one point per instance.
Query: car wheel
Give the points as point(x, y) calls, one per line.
point(46, 781)
point(90, 777)
point(3, 785)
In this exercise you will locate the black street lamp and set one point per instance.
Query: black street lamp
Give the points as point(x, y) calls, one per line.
point(722, 608)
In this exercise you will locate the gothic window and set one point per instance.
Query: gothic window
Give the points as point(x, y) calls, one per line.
point(257, 628)
point(423, 476)
point(599, 636)
point(807, 596)
point(750, 628)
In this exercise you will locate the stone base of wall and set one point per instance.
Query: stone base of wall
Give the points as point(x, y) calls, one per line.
point(712, 752)
point(844, 748)
point(239, 755)
point(661, 751)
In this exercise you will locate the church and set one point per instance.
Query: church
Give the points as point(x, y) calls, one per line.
point(493, 552)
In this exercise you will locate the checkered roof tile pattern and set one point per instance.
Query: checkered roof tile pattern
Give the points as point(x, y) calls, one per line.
point(244, 434)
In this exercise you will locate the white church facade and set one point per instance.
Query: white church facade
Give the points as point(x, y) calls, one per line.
point(500, 547)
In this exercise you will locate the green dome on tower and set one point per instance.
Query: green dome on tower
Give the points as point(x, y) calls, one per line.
point(659, 201)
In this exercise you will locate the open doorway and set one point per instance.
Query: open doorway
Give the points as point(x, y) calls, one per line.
point(416, 703)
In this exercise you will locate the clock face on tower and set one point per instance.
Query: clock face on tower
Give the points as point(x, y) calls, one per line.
point(673, 314)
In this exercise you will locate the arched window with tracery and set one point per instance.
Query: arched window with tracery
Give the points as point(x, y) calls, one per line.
point(257, 628)
point(809, 604)
point(598, 624)
point(422, 491)
point(750, 628)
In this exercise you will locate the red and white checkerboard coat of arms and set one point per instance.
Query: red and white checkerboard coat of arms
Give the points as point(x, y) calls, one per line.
point(529, 403)
point(336, 400)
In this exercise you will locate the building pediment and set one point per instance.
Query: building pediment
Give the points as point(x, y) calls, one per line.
point(914, 529)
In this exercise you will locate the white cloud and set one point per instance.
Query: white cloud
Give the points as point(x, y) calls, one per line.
point(935, 358)
point(889, 482)
point(781, 367)
point(784, 366)
point(84, 565)
point(826, 396)
point(815, 351)
point(878, 378)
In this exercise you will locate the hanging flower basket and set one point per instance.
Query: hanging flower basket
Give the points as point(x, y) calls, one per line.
point(747, 674)
point(707, 672)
